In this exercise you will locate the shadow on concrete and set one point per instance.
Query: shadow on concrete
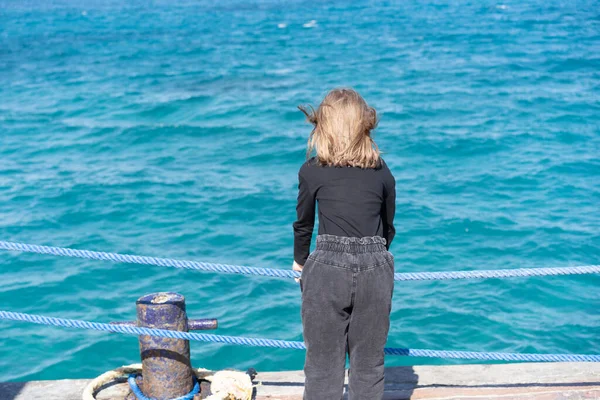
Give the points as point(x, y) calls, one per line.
point(517, 385)
point(10, 390)
point(400, 383)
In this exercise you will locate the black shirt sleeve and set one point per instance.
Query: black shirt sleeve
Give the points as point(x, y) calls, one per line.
point(305, 210)
point(388, 209)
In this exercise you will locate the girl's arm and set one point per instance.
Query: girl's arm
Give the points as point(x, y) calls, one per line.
point(303, 227)
point(388, 210)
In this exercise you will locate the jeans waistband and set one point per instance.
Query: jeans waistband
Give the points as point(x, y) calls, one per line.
point(368, 244)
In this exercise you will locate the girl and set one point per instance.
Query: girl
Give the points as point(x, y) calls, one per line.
point(347, 282)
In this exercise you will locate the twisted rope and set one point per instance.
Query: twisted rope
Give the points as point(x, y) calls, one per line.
point(281, 273)
point(284, 344)
point(141, 396)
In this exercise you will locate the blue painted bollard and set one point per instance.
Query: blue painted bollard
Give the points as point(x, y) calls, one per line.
point(166, 367)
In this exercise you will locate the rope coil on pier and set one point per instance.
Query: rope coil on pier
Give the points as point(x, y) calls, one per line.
point(259, 342)
point(122, 374)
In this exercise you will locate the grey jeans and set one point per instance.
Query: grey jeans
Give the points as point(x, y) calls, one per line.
point(347, 285)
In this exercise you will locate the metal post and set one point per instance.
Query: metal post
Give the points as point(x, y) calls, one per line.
point(166, 367)
point(166, 370)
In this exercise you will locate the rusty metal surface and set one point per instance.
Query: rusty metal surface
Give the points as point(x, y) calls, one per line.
point(165, 362)
point(202, 324)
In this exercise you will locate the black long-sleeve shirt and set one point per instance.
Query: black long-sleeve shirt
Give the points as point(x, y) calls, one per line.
point(353, 202)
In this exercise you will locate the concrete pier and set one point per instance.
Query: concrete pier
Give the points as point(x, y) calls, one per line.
point(540, 381)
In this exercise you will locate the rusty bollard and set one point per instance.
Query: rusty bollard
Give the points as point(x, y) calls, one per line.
point(166, 367)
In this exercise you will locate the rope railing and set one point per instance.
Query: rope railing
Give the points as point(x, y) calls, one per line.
point(284, 273)
point(285, 344)
point(280, 273)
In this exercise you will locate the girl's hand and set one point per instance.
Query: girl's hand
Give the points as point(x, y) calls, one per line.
point(297, 267)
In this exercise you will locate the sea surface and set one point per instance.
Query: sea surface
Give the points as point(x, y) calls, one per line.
point(170, 129)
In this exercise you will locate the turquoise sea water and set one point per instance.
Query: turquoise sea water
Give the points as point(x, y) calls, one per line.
point(170, 129)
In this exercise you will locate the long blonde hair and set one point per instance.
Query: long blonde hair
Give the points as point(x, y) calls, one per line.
point(341, 135)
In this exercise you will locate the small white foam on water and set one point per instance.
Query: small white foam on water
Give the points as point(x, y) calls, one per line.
point(502, 6)
point(282, 25)
point(310, 24)
point(84, 13)
point(281, 71)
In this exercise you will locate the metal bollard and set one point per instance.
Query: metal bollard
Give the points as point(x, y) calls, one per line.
point(166, 367)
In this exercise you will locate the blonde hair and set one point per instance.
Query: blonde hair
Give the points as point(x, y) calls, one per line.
point(341, 135)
